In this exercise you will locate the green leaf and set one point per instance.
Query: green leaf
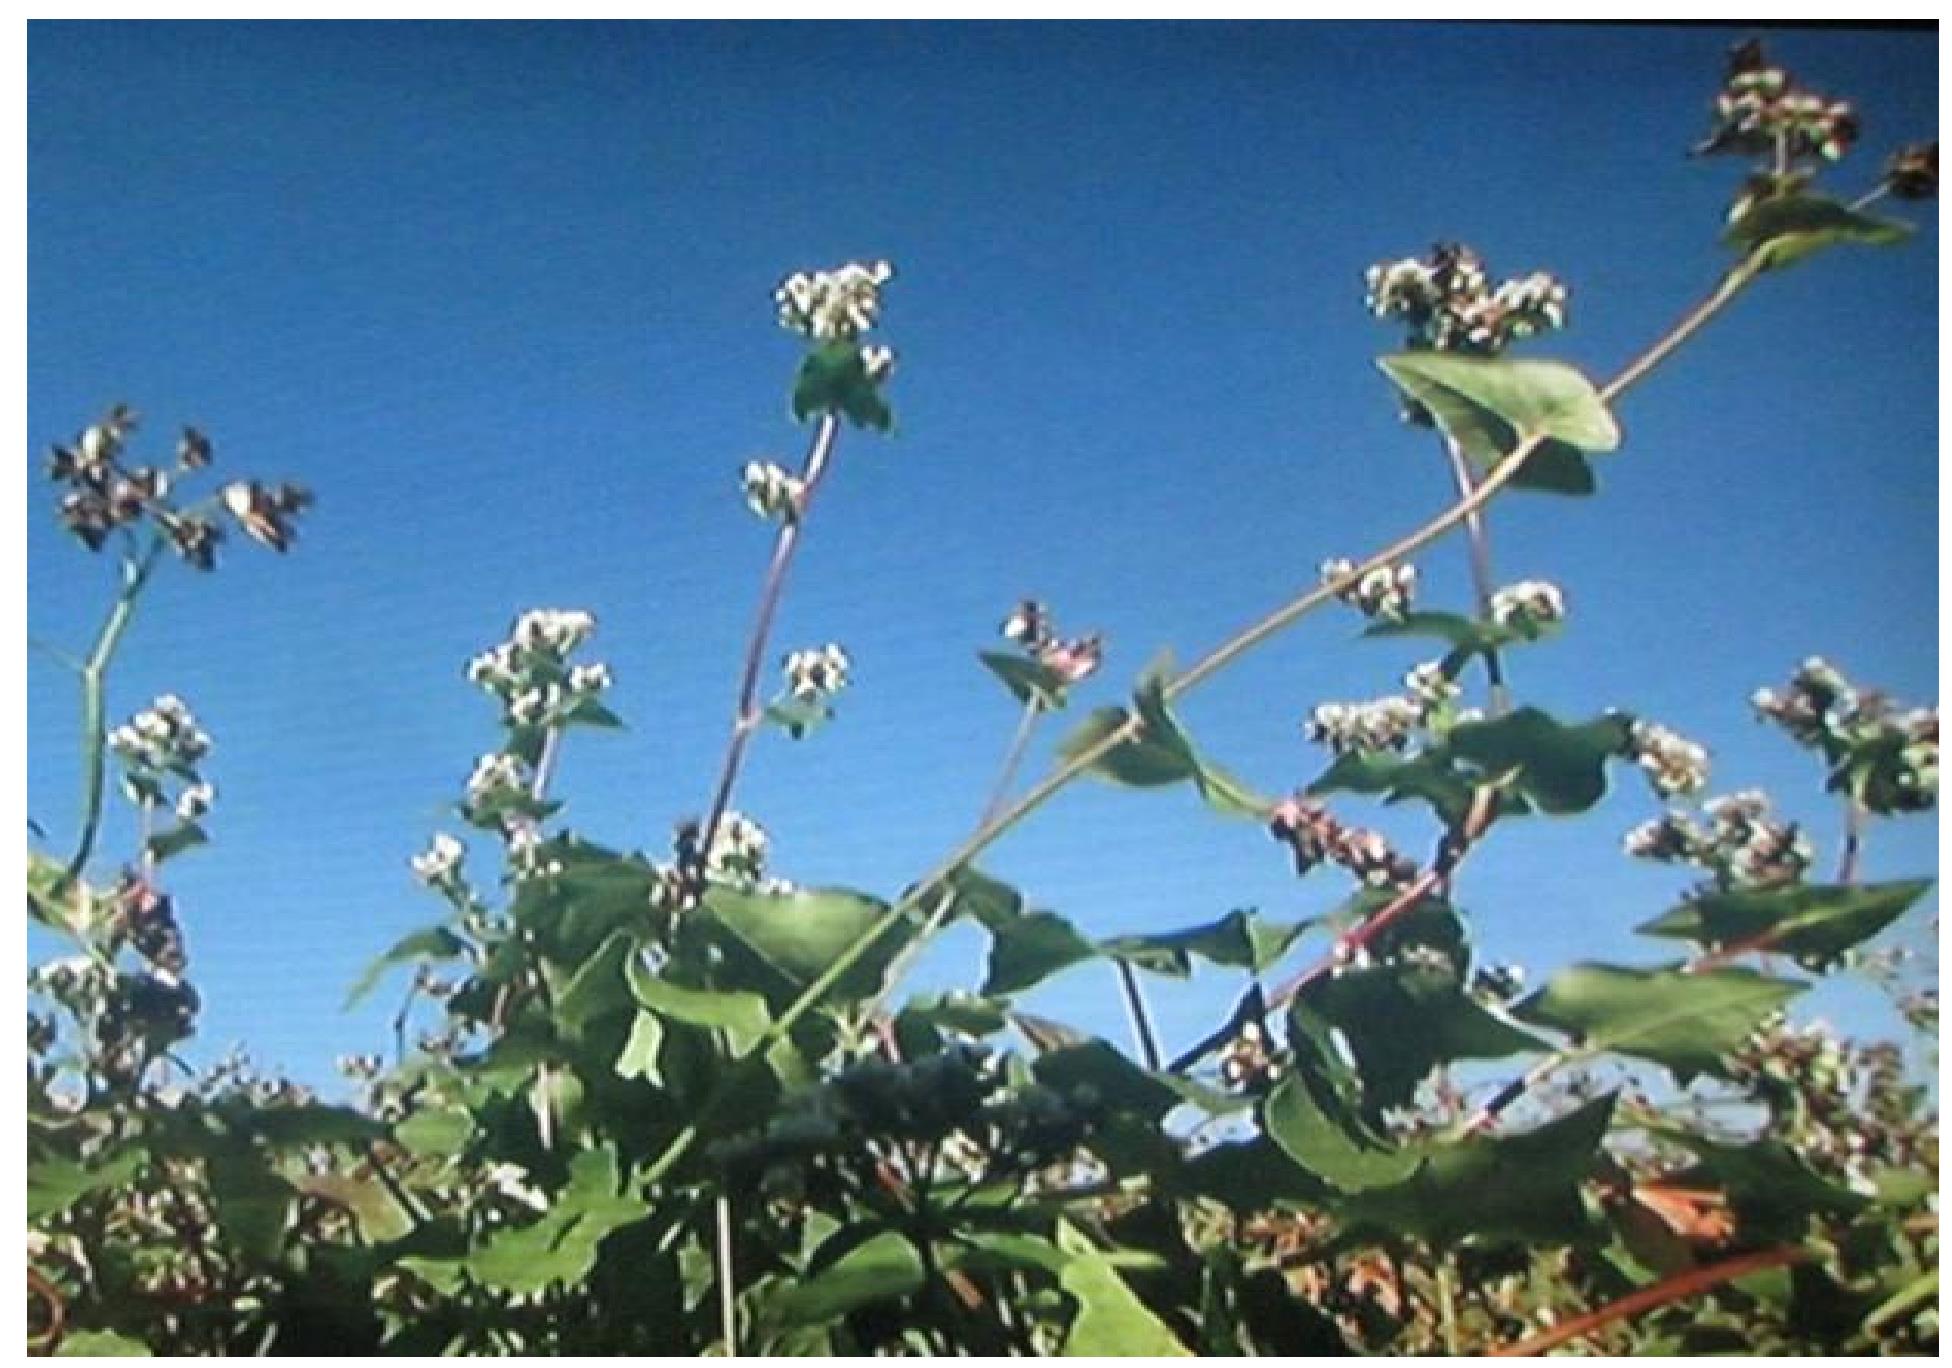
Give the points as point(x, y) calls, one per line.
point(1249, 1175)
point(1429, 778)
point(1814, 923)
point(1561, 769)
point(177, 839)
point(639, 1056)
point(1139, 763)
point(597, 989)
point(801, 934)
point(63, 911)
point(561, 1247)
point(1111, 1320)
point(742, 1016)
point(252, 1202)
point(1162, 753)
point(833, 379)
point(379, 1217)
point(881, 1268)
point(1329, 1142)
point(1117, 1082)
point(428, 943)
point(54, 1183)
point(990, 902)
point(1239, 940)
point(437, 1133)
point(1029, 681)
point(1523, 1188)
point(1372, 1008)
point(308, 1123)
point(587, 712)
point(798, 718)
point(1030, 948)
point(595, 892)
point(1688, 1023)
point(1787, 228)
point(101, 1344)
point(1529, 397)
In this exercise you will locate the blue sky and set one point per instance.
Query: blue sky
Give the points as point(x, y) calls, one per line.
point(500, 294)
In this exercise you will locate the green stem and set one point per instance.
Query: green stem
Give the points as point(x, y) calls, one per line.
point(1216, 660)
point(1853, 848)
point(1447, 1307)
point(1477, 532)
point(94, 726)
point(728, 1304)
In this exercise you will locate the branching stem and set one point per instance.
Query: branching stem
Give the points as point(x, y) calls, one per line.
point(1082, 760)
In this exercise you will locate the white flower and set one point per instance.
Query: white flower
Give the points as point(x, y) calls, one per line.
point(1529, 603)
point(495, 669)
point(552, 632)
point(1384, 591)
point(195, 801)
point(878, 363)
point(771, 492)
point(440, 861)
point(1430, 686)
point(1382, 724)
point(738, 853)
point(162, 736)
point(1673, 764)
point(589, 679)
point(816, 674)
point(836, 305)
point(497, 775)
point(536, 707)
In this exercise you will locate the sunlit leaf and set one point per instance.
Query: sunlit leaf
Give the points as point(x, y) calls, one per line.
point(1530, 397)
point(803, 933)
point(1787, 228)
point(882, 1268)
point(1814, 923)
point(1688, 1023)
point(1027, 680)
point(1111, 1320)
point(1561, 768)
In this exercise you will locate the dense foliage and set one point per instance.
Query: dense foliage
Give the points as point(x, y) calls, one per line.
point(669, 1104)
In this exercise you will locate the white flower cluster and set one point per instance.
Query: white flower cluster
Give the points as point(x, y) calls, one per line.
point(1895, 752)
point(771, 492)
point(1761, 111)
point(1449, 304)
point(440, 862)
point(1529, 604)
point(815, 675)
point(1384, 592)
point(1430, 686)
point(1380, 724)
point(195, 800)
point(163, 736)
point(1740, 844)
point(1673, 764)
point(497, 776)
point(833, 306)
point(530, 673)
point(1247, 1061)
point(738, 853)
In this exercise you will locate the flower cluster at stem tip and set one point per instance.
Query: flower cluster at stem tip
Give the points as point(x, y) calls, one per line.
point(1740, 845)
point(833, 306)
point(1888, 756)
point(1031, 627)
point(1673, 764)
point(530, 674)
point(813, 676)
point(772, 493)
point(1762, 112)
point(1314, 835)
point(161, 744)
point(1449, 304)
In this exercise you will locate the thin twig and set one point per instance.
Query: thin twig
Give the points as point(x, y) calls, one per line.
point(1082, 760)
point(1478, 534)
point(746, 715)
point(1139, 1015)
point(1673, 1289)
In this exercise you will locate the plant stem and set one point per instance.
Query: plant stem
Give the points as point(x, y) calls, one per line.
point(1012, 759)
point(728, 1306)
point(1647, 1298)
point(746, 715)
point(94, 729)
point(1477, 532)
point(1141, 1017)
point(1853, 848)
point(1216, 660)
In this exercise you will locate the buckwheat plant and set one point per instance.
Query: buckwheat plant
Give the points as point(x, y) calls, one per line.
point(672, 1104)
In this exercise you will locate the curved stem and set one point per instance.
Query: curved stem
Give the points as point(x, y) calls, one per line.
point(1211, 664)
point(94, 727)
point(746, 714)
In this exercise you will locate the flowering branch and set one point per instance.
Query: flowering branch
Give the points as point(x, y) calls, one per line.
point(747, 713)
point(1081, 761)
